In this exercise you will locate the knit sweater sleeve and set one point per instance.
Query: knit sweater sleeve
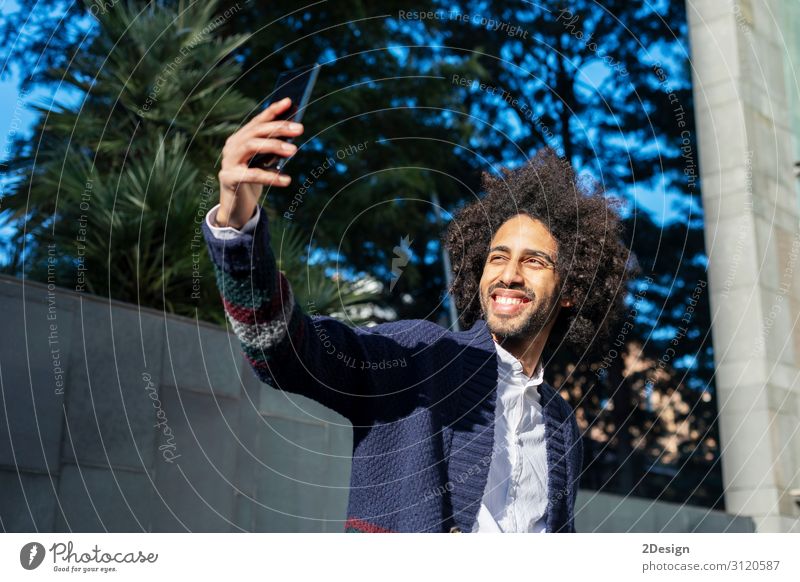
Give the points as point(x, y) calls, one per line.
point(285, 346)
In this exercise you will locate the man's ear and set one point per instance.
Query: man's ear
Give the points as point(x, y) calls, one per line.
point(566, 302)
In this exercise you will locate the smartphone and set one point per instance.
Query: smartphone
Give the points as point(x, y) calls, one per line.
point(297, 84)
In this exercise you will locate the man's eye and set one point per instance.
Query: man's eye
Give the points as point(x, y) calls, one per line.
point(496, 258)
point(538, 263)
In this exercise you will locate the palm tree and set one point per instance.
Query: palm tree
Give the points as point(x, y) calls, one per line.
point(113, 192)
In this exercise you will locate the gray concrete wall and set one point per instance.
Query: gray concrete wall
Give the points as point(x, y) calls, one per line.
point(84, 448)
point(604, 513)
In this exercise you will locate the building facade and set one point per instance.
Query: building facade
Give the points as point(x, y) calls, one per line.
point(744, 57)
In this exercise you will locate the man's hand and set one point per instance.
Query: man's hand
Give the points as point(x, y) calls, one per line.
point(240, 187)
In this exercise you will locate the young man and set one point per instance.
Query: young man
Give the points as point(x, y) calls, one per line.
point(452, 431)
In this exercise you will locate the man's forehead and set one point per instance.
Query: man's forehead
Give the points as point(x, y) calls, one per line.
point(524, 233)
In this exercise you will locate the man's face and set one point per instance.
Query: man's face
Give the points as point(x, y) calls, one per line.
point(519, 285)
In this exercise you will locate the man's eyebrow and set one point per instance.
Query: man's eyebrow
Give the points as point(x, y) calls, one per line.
point(505, 249)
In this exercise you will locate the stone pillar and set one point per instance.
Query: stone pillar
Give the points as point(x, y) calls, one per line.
point(739, 51)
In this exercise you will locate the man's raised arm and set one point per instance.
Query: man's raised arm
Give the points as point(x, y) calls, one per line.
point(285, 347)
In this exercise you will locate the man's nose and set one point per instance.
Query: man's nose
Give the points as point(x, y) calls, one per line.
point(511, 274)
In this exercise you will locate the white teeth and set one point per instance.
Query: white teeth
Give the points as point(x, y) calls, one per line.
point(508, 300)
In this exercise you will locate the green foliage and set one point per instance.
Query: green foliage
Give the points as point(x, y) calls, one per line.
point(115, 191)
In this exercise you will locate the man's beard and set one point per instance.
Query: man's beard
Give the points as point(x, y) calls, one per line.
point(524, 325)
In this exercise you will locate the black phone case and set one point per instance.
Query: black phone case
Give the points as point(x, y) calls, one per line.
point(289, 84)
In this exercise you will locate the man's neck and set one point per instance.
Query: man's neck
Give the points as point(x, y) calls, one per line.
point(527, 351)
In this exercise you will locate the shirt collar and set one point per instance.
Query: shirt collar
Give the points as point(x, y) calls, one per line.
point(509, 365)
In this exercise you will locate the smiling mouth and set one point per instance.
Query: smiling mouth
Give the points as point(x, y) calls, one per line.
point(505, 300)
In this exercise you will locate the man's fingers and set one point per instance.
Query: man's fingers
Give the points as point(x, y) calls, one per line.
point(274, 129)
point(242, 174)
point(270, 112)
point(244, 150)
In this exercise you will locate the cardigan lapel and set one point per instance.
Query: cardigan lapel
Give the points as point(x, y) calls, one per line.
point(472, 442)
point(557, 445)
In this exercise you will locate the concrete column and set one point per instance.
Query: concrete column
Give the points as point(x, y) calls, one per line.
point(746, 157)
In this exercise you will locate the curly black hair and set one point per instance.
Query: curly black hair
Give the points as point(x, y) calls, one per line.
point(593, 263)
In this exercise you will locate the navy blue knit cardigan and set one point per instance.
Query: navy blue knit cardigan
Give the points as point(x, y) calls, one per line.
point(421, 398)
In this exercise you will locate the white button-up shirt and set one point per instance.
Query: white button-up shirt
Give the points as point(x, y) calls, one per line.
point(515, 498)
point(228, 232)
